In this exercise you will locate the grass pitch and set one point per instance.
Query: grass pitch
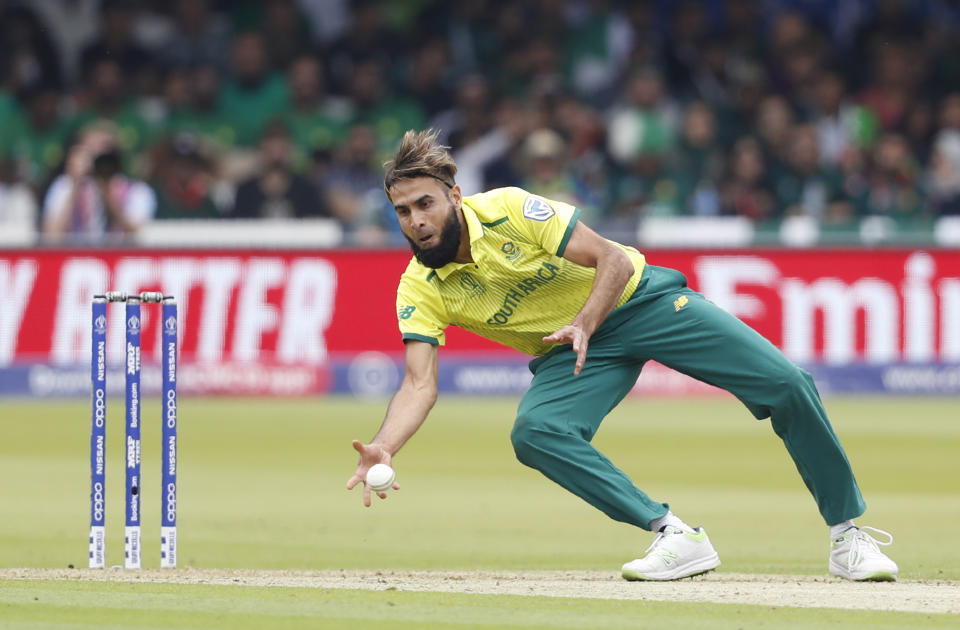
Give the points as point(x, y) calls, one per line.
point(262, 486)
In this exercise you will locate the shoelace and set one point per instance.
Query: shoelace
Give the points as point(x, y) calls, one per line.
point(864, 544)
point(669, 529)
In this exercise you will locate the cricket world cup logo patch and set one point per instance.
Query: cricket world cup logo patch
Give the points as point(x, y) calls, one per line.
point(471, 285)
point(133, 325)
point(170, 326)
point(100, 325)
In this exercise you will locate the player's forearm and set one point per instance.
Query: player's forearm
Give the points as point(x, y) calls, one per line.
point(614, 270)
point(407, 411)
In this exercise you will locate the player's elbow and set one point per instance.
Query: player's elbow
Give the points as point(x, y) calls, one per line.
point(619, 263)
point(423, 389)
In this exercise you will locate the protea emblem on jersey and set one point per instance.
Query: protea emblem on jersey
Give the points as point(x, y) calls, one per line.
point(537, 209)
point(511, 251)
point(471, 284)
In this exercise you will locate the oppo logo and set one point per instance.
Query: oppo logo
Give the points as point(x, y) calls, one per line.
point(171, 502)
point(99, 407)
point(98, 501)
point(171, 409)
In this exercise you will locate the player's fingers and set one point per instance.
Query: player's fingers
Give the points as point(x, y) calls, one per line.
point(581, 358)
point(382, 495)
point(353, 482)
point(396, 486)
point(366, 495)
point(358, 446)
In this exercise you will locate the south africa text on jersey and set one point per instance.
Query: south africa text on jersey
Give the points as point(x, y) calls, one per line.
point(511, 300)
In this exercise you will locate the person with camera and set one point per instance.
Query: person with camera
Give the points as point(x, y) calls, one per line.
point(93, 199)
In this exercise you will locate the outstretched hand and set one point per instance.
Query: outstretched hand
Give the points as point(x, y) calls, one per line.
point(577, 337)
point(370, 454)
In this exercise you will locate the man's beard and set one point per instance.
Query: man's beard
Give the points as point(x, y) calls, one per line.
point(446, 249)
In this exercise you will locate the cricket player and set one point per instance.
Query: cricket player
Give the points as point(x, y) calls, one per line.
point(523, 271)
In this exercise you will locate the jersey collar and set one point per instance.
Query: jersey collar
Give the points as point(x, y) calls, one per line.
point(475, 231)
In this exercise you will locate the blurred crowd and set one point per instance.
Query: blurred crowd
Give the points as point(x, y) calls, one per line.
point(114, 113)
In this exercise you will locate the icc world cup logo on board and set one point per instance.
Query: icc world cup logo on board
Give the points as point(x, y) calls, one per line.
point(100, 325)
point(133, 325)
point(170, 326)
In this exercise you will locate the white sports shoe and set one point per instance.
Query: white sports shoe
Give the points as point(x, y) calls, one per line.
point(674, 554)
point(854, 555)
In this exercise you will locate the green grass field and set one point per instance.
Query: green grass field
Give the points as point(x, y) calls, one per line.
point(262, 487)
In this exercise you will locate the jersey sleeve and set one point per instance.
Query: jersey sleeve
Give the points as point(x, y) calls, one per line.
point(546, 222)
point(420, 313)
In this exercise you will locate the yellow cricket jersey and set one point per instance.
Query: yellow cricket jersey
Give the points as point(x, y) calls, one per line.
point(518, 289)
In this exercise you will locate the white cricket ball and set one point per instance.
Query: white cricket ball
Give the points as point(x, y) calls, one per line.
point(380, 477)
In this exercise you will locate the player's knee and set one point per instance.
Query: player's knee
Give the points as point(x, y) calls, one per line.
point(527, 438)
point(792, 381)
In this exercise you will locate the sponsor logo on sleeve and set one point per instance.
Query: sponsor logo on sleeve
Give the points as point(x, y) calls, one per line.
point(406, 312)
point(536, 209)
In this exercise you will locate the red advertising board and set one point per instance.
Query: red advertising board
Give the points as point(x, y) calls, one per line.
point(301, 307)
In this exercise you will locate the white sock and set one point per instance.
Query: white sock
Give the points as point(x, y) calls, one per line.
point(668, 519)
point(839, 528)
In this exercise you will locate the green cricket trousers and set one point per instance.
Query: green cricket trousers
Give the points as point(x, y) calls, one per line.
point(667, 322)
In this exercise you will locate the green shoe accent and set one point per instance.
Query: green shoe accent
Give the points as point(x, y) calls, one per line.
point(879, 576)
point(697, 537)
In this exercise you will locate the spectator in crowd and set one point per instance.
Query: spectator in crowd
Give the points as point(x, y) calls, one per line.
point(805, 186)
point(841, 125)
point(893, 182)
point(697, 165)
point(367, 38)
point(32, 139)
point(596, 51)
point(116, 40)
point(183, 174)
point(18, 208)
point(582, 127)
point(107, 98)
point(681, 48)
point(276, 191)
point(286, 31)
point(430, 83)
point(197, 108)
point(646, 123)
point(546, 168)
point(373, 105)
point(470, 115)
point(316, 120)
point(745, 191)
point(27, 50)
point(944, 175)
point(949, 114)
point(354, 187)
point(919, 129)
point(254, 93)
point(898, 72)
point(199, 37)
point(93, 198)
point(772, 128)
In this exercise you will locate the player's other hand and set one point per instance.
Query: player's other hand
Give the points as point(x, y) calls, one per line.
point(370, 454)
point(575, 336)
